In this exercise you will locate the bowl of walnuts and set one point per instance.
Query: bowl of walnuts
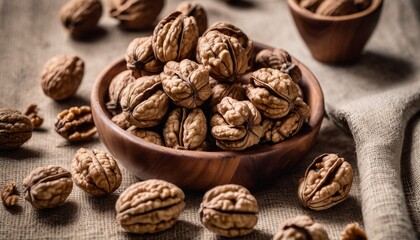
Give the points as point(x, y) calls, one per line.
point(204, 110)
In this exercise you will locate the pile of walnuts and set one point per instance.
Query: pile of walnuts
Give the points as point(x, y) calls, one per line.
point(206, 92)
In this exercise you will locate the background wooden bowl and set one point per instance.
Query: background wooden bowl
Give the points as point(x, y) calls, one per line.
point(198, 170)
point(336, 38)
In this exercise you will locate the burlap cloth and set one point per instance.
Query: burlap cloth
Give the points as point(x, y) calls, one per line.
point(376, 99)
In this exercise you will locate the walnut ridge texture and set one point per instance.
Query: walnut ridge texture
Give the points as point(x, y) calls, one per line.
point(76, 124)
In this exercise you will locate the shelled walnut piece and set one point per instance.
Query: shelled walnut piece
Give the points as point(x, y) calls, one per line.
point(61, 76)
point(141, 59)
point(47, 187)
point(95, 172)
point(10, 195)
point(135, 14)
point(76, 124)
point(149, 206)
point(353, 231)
point(80, 17)
point(229, 211)
point(302, 228)
point(196, 10)
point(327, 182)
point(15, 129)
point(147, 135)
point(32, 113)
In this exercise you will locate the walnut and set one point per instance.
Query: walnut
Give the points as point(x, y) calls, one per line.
point(141, 58)
point(149, 206)
point(95, 172)
point(223, 55)
point(236, 126)
point(272, 92)
point(75, 124)
point(61, 76)
point(301, 228)
point(15, 129)
point(353, 232)
point(144, 103)
point(32, 113)
point(47, 187)
point(135, 14)
point(279, 59)
point(121, 121)
point(186, 83)
point(229, 211)
point(10, 195)
point(185, 129)
point(336, 7)
point(81, 16)
point(311, 5)
point(221, 90)
point(327, 182)
point(147, 135)
point(196, 10)
point(175, 37)
point(278, 130)
point(115, 89)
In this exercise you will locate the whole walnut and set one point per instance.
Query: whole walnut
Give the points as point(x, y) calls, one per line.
point(141, 59)
point(146, 135)
point(280, 59)
point(144, 103)
point(135, 14)
point(185, 129)
point(149, 206)
point(301, 228)
point(278, 130)
point(175, 37)
point(186, 83)
point(115, 89)
point(47, 187)
point(80, 17)
point(61, 76)
point(327, 182)
point(272, 92)
point(336, 7)
point(15, 129)
point(221, 90)
point(229, 211)
point(95, 172)
point(196, 10)
point(237, 125)
point(121, 121)
point(76, 124)
point(223, 55)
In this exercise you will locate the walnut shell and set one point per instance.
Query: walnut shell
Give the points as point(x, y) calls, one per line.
point(146, 135)
point(115, 89)
point(81, 16)
point(149, 206)
point(141, 58)
point(76, 124)
point(144, 103)
point(95, 172)
point(327, 182)
point(31, 112)
point(236, 126)
point(121, 121)
point(285, 127)
point(223, 55)
point(61, 76)
point(221, 90)
point(336, 7)
point(229, 211)
point(301, 227)
point(279, 59)
point(196, 10)
point(9, 195)
point(135, 14)
point(185, 129)
point(272, 92)
point(15, 129)
point(47, 187)
point(186, 83)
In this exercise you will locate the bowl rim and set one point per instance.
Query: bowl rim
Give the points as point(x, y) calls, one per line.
point(308, 14)
point(314, 120)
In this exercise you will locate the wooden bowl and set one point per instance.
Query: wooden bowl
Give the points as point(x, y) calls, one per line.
point(198, 170)
point(336, 39)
